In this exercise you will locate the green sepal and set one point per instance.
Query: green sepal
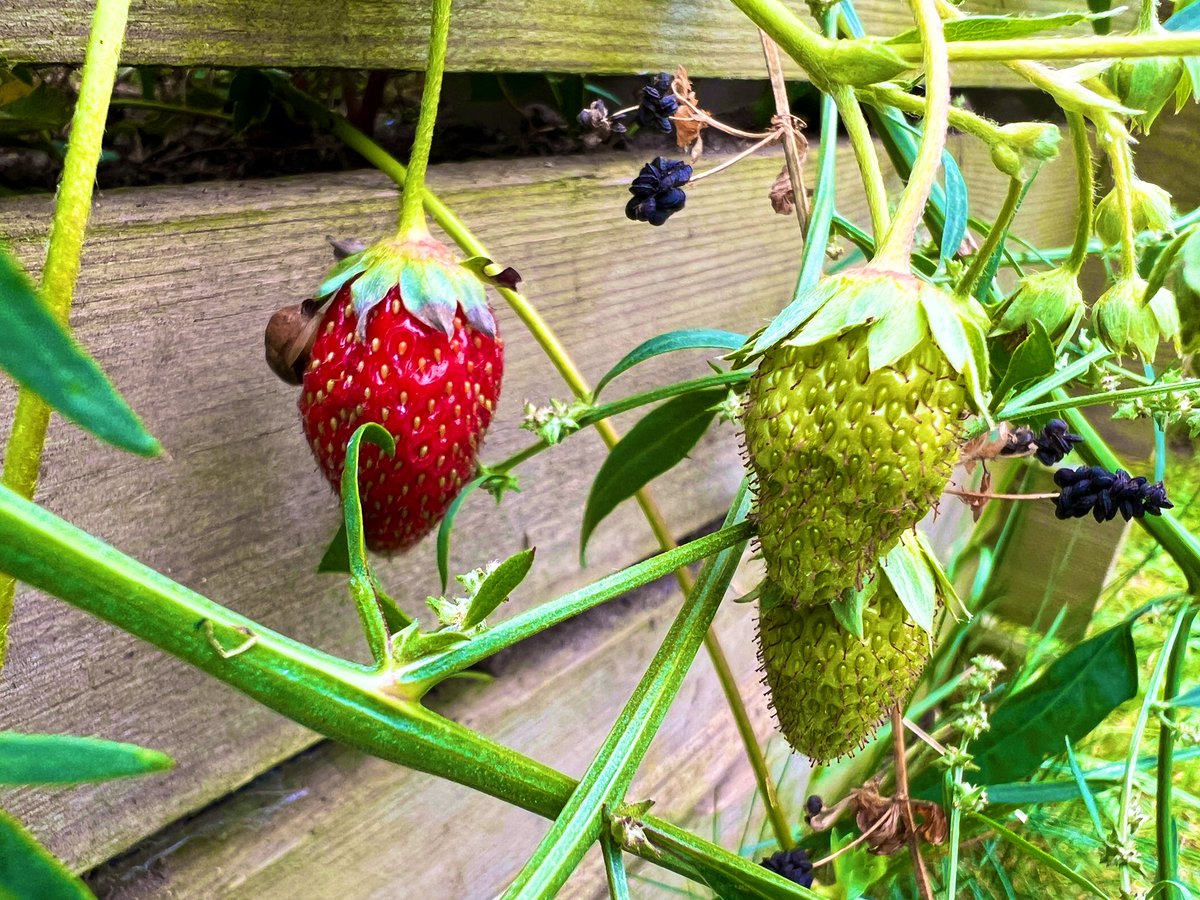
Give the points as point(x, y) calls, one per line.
point(1053, 298)
point(431, 284)
point(1125, 324)
point(342, 272)
point(908, 571)
point(869, 302)
point(957, 325)
point(848, 608)
point(897, 333)
point(428, 293)
point(861, 62)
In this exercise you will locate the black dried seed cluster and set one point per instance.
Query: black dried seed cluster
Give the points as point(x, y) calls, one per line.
point(657, 191)
point(1055, 442)
point(658, 104)
point(595, 116)
point(1106, 494)
point(794, 865)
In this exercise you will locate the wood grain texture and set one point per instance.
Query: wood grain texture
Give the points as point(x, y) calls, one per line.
point(177, 284)
point(709, 37)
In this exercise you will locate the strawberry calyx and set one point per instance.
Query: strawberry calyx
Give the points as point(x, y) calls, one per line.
point(433, 285)
point(899, 311)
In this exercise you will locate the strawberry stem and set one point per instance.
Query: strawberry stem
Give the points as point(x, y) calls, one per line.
point(896, 246)
point(27, 436)
point(1086, 179)
point(412, 209)
point(864, 154)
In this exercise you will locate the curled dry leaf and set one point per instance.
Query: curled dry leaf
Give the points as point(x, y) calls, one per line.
point(783, 197)
point(884, 817)
point(687, 125)
point(1004, 440)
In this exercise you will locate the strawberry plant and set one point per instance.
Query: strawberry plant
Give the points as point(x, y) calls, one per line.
point(900, 378)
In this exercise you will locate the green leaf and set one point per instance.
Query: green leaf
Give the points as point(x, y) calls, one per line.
point(28, 871)
point(909, 574)
point(848, 608)
point(1074, 695)
point(686, 339)
point(446, 529)
point(1002, 28)
point(1166, 259)
point(808, 300)
point(63, 759)
point(336, 560)
point(957, 208)
point(900, 329)
point(653, 446)
point(1188, 698)
point(497, 587)
point(1037, 853)
point(856, 869)
point(43, 357)
point(1032, 361)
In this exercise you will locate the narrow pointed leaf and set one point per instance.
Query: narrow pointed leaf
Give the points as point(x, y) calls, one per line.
point(906, 569)
point(336, 560)
point(42, 357)
point(1002, 28)
point(686, 339)
point(446, 529)
point(497, 587)
point(653, 446)
point(28, 871)
point(64, 759)
point(848, 608)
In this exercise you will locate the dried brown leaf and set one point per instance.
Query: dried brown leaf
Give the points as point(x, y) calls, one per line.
point(783, 198)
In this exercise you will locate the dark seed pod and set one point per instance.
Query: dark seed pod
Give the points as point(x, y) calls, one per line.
point(289, 338)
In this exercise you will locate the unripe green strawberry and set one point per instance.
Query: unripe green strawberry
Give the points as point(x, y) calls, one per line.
point(1150, 210)
point(1145, 83)
point(1126, 325)
point(1052, 298)
point(852, 425)
point(829, 688)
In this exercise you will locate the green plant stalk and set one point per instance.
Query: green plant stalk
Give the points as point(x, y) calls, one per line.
point(1147, 16)
point(608, 777)
point(424, 673)
point(881, 96)
point(336, 698)
point(995, 238)
point(412, 210)
point(1012, 411)
point(1019, 49)
point(72, 206)
point(1085, 179)
point(614, 868)
point(1179, 543)
point(671, 843)
point(1135, 740)
point(866, 157)
point(892, 252)
point(1165, 834)
point(561, 360)
point(1116, 144)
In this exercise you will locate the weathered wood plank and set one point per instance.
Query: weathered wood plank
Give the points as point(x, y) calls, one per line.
point(710, 37)
point(177, 284)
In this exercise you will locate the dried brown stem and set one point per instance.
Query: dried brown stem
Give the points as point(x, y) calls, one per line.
point(985, 495)
point(914, 848)
point(791, 147)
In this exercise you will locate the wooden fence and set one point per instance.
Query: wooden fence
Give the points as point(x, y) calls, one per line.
point(177, 284)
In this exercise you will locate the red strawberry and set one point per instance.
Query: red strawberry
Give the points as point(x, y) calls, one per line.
point(407, 360)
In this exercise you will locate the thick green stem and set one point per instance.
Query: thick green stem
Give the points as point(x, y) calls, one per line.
point(1107, 47)
point(868, 160)
point(1124, 837)
point(412, 209)
point(547, 340)
point(881, 96)
point(1085, 180)
point(609, 776)
point(27, 437)
point(789, 31)
point(896, 246)
point(1166, 835)
point(979, 263)
point(336, 698)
